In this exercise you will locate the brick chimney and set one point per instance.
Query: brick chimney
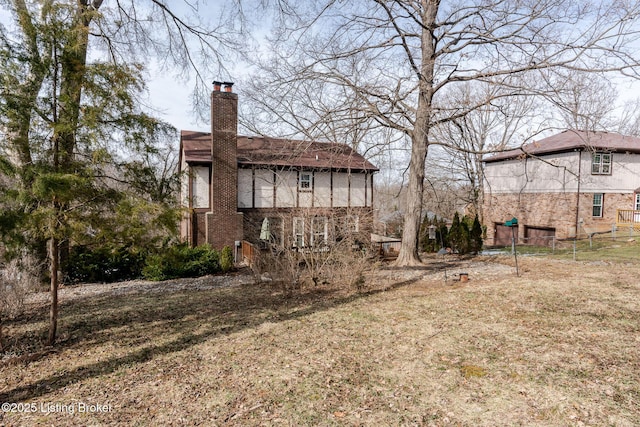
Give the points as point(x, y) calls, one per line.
point(224, 223)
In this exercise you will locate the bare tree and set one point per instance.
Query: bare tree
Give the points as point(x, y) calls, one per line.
point(629, 118)
point(18, 278)
point(500, 122)
point(397, 57)
point(584, 101)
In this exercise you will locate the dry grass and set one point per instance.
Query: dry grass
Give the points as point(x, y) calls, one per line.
point(559, 345)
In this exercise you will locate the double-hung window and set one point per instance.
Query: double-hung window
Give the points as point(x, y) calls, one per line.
point(598, 202)
point(601, 164)
point(320, 228)
point(298, 232)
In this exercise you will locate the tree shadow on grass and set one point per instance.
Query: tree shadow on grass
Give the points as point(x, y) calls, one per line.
point(193, 316)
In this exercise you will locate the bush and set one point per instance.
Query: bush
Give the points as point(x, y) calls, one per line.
point(182, 261)
point(226, 259)
point(105, 264)
point(18, 277)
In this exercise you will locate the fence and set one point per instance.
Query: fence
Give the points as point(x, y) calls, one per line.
point(592, 247)
point(249, 253)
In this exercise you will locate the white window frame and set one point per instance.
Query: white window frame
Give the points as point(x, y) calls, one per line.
point(353, 224)
point(601, 163)
point(637, 203)
point(298, 232)
point(305, 181)
point(598, 204)
point(319, 230)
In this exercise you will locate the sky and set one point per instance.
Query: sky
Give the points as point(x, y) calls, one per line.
point(170, 97)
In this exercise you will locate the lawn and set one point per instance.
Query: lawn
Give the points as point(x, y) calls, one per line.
point(558, 345)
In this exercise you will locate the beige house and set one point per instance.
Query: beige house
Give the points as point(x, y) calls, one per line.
point(571, 184)
point(292, 193)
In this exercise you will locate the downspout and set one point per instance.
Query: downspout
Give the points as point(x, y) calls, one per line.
point(578, 193)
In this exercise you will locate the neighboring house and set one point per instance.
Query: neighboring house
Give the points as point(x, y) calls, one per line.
point(291, 193)
point(568, 185)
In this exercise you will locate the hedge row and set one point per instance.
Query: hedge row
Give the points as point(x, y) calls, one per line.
point(113, 264)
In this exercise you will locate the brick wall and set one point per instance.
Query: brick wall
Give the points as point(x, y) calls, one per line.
point(224, 223)
point(552, 210)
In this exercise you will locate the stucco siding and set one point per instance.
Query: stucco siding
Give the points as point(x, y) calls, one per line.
point(533, 175)
point(200, 186)
point(624, 178)
point(358, 193)
point(263, 182)
point(286, 189)
point(322, 190)
point(245, 188)
point(340, 189)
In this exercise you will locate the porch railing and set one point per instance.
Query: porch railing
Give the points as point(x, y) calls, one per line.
point(628, 217)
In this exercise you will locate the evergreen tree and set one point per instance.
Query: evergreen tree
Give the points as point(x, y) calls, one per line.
point(475, 237)
point(455, 235)
point(68, 124)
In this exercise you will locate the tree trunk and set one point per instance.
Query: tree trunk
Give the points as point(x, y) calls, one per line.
point(53, 311)
point(408, 254)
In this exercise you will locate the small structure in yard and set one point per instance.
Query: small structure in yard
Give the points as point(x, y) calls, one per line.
point(387, 247)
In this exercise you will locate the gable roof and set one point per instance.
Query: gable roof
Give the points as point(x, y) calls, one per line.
point(571, 140)
point(258, 150)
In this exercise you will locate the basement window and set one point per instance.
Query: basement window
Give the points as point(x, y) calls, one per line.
point(601, 164)
point(598, 201)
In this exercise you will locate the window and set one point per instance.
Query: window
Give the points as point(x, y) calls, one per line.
point(598, 200)
point(353, 223)
point(298, 232)
point(319, 226)
point(637, 204)
point(601, 164)
point(305, 181)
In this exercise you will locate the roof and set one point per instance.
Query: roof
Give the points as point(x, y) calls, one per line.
point(571, 140)
point(267, 151)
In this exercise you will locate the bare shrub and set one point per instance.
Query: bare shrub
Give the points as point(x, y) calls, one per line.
point(339, 263)
point(18, 277)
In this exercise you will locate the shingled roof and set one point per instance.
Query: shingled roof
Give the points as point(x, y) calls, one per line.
point(260, 150)
point(571, 140)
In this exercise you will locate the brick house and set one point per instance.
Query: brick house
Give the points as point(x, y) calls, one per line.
point(567, 185)
point(292, 193)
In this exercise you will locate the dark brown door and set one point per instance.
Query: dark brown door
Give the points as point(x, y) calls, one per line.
point(539, 236)
point(503, 235)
